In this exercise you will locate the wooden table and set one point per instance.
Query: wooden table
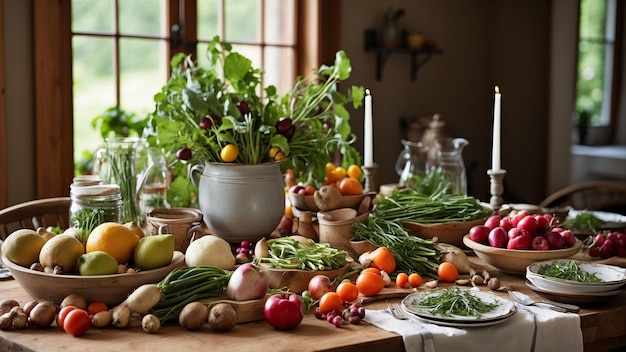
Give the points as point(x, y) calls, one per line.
point(603, 328)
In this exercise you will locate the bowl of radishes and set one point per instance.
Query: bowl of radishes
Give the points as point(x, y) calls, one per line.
point(513, 241)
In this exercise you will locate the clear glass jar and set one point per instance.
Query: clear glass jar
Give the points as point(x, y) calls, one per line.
point(154, 182)
point(95, 204)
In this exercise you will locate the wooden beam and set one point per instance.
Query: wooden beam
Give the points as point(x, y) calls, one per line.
point(4, 183)
point(53, 97)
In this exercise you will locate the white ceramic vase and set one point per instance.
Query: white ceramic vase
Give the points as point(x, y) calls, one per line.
point(240, 201)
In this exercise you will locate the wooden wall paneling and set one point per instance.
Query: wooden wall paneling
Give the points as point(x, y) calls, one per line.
point(4, 198)
point(53, 97)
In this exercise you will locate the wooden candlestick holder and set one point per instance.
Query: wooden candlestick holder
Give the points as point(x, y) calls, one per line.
point(497, 188)
point(371, 178)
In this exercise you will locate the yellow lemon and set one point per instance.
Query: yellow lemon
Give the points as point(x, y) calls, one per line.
point(61, 250)
point(113, 238)
point(23, 246)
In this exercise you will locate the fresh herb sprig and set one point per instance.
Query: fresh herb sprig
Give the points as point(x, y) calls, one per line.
point(454, 301)
point(585, 221)
point(568, 271)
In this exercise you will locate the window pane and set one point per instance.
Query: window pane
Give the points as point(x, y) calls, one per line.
point(279, 68)
point(142, 17)
point(92, 16)
point(592, 19)
point(141, 76)
point(93, 89)
point(279, 22)
point(208, 12)
point(241, 21)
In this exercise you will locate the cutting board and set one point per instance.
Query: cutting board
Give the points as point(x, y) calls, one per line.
point(252, 310)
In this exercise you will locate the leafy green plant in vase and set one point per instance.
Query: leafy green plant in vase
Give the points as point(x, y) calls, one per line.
point(239, 142)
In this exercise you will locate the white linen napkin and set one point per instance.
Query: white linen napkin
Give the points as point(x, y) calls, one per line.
point(555, 332)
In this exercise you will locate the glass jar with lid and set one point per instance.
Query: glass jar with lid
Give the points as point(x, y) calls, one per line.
point(94, 204)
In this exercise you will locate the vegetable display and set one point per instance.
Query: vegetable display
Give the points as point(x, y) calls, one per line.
point(568, 271)
point(455, 301)
point(289, 253)
point(188, 284)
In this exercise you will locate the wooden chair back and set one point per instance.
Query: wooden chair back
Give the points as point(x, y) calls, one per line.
point(33, 214)
point(594, 195)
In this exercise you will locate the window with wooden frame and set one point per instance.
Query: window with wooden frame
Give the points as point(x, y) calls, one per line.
point(313, 40)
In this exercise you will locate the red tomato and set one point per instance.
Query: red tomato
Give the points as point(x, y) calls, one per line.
point(77, 322)
point(62, 314)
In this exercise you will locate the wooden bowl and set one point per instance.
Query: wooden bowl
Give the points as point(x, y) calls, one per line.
point(110, 289)
point(297, 280)
point(445, 232)
point(515, 261)
point(307, 203)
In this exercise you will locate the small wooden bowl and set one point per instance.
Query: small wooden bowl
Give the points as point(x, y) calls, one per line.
point(446, 232)
point(297, 280)
point(307, 203)
point(110, 289)
point(515, 261)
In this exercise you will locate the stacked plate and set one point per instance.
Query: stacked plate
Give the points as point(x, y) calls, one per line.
point(612, 282)
point(504, 310)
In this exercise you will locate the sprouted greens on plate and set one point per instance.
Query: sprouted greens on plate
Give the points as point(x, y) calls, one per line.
point(568, 271)
point(453, 301)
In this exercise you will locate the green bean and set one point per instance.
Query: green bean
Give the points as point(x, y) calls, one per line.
point(288, 253)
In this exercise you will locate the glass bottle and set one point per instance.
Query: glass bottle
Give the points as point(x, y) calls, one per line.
point(154, 182)
point(115, 164)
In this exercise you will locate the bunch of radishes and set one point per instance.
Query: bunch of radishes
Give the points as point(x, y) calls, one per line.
point(522, 230)
point(606, 245)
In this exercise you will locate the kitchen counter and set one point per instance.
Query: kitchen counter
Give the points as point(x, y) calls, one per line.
point(603, 328)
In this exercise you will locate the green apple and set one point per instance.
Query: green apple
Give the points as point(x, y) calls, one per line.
point(97, 263)
point(154, 251)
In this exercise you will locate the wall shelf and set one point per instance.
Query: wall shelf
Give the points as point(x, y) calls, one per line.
point(419, 57)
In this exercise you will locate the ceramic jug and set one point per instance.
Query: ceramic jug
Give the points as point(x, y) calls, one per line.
point(450, 163)
point(411, 164)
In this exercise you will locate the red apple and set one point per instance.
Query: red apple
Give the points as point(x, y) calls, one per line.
point(492, 222)
point(513, 232)
point(528, 223)
point(319, 285)
point(479, 233)
point(556, 240)
point(569, 238)
point(498, 237)
point(505, 223)
point(523, 240)
point(543, 224)
point(540, 243)
point(517, 216)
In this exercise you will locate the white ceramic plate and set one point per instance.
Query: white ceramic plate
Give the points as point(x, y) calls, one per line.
point(504, 309)
point(613, 277)
point(474, 324)
point(602, 215)
point(591, 298)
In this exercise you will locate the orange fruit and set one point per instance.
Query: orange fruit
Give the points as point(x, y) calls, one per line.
point(447, 272)
point(369, 284)
point(113, 238)
point(415, 280)
point(350, 187)
point(338, 174)
point(330, 302)
point(347, 291)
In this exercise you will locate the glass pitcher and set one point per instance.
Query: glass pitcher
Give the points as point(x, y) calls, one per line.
point(411, 164)
point(115, 164)
point(154, 182)
point(450, 163)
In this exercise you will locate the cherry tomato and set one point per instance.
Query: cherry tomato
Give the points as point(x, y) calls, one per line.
point(354, 171)
point(415, 280)
point(402, 279)
point(229, 153)
point(447, 272)
point(369, 284)
point(77, 322)
point(95, 307)
point(331, 302)
point(276, 154)
point(62, 314)
point(347, 291)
